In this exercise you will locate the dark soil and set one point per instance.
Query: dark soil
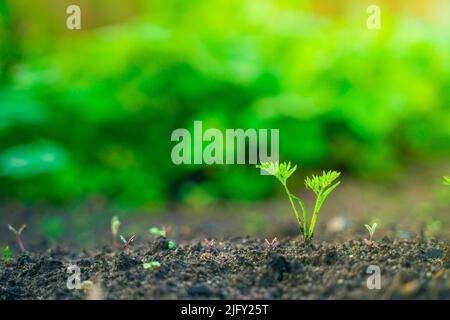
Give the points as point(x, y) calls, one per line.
point(237, 268)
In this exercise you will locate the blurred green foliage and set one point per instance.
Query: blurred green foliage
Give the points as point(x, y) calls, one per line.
point(92, 111)
point(52, 227)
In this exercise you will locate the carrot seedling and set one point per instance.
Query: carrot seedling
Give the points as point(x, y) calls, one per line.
point(6, 255)
point(159, 233)
point(271, 244)
point(115, 224)
point(209, 244)
point(18, 235)
point(369, 242)
point(127, 243)
point(151, 265)
point(321, 185)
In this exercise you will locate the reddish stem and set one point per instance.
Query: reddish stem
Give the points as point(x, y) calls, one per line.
point(114, 244)
point(19, 241)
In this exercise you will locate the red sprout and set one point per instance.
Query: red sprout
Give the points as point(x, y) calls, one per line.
point(209, 244)
point(272, 244)
point(370, 243)
point(128, 243)
point(18, 235)
point(167, 229)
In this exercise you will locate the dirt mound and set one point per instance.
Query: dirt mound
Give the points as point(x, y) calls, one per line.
point(236, 268)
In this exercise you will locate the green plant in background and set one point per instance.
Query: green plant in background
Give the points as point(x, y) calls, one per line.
point(371, 228)
point(151, 265)
point(322, 186)
point(53, 227)
point(115, 224)
point(447, 180)
point(6, 255)
point(230, 82)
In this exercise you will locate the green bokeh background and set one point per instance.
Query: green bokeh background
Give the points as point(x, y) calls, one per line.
point(91, 111)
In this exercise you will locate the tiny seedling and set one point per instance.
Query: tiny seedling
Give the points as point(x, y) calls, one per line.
point(127, 243)
point(167, 229)
point(18, 235)
point(170, 244)
point(321, 185)
point(157, 232)
point(163, 232)
point(209, 244)
point(271, 244)
point(369, 242)
point(151, 265)
point(115, 224)
point(6, 255)
point(447, 180)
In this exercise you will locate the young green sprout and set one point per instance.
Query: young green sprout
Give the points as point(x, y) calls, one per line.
point(447, 180)
point(321, 185)
point(369, 242)
point(151, 265)
point(159, 233)
point(6, 255)
point(127, 243)
point(115, 224)
point(18, 235)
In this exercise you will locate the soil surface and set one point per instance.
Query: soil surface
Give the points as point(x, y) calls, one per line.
point(236, 268)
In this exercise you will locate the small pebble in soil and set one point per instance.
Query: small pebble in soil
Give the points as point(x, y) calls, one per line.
point(25, 259)
point(339, 224)
point(433, 253)
point(15, 292)
point(87, 285)
point(405, 235)
point(199, 290)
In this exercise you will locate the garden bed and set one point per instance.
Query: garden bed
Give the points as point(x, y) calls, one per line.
point(236, 268)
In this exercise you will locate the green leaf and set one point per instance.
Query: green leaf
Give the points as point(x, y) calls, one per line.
point(151, 265)
point(157, 232)
point(6, 255)
point(318, 183)
point(304, 213)
point(115, 224)
point(447, 180)
point(31, 159)
point(371, 228)
point(281, 171)
point(20, 108)
point(269, 167)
